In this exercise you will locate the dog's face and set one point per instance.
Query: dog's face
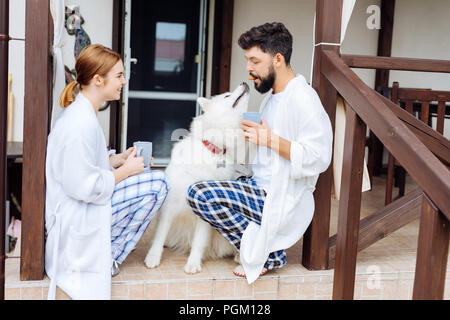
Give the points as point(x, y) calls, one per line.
point(220, 122)
point(225, 110)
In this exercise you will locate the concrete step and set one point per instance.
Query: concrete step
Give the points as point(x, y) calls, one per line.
point(378, 277)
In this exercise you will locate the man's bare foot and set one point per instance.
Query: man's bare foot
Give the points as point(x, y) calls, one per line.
point(239, 271)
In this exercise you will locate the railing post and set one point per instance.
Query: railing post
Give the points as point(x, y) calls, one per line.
point(432, 253)
point(349, 207)
point(328, 30)
point(37, 102)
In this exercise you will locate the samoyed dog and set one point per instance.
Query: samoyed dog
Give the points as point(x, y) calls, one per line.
point(212, 150)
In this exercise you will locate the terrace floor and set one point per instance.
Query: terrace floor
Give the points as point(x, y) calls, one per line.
point(384, 271)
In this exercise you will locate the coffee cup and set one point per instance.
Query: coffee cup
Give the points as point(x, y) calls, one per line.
point(144, 149)
point(252, 116)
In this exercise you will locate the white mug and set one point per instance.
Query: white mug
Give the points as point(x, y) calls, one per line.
point(252, 116)
point(144, 149)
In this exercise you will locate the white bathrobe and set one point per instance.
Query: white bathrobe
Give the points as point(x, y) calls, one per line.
point(78, 205)
point(289, 205)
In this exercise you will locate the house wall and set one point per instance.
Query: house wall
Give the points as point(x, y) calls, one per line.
point(16, 63)
point(99, 28)
point(420, 31)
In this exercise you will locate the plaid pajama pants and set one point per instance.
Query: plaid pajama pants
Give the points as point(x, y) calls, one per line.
point(229, 206)
point(135, 202)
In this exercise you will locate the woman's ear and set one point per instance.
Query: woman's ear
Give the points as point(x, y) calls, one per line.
point(203, 102)
point(98, 80)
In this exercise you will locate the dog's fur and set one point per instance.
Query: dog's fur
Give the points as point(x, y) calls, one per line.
point(178, 227)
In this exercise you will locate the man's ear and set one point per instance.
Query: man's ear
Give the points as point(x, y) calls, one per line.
point(203, 102)
point(278, 60)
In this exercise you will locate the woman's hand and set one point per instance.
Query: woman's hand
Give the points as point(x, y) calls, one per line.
point(133, 165)
point(259, 134)
point(117, 160)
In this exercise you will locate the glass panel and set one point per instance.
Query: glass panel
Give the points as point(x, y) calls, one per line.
point(170, 47)
point(159, 121)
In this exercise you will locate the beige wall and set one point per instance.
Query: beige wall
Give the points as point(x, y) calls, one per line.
point(421, 30)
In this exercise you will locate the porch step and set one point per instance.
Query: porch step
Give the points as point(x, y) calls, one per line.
point(377, 277)
point(385, 270)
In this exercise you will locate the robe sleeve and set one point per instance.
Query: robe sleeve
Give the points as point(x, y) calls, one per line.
point(311, 151)
point(82, 179)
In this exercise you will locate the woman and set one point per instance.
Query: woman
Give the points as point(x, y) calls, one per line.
point(98, 204)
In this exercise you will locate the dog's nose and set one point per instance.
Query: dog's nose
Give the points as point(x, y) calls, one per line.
point(246, 87)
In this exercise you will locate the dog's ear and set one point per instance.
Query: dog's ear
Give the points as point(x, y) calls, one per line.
point(203, 102)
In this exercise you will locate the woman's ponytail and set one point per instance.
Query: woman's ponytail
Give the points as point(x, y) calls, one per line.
point(67, 96)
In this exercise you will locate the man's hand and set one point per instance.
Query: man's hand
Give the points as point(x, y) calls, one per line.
point(259, 134)
point(117, 160)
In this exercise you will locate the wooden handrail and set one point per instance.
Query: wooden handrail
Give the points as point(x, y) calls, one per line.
point(391, 63)
point(429, 173)
point(423, 94)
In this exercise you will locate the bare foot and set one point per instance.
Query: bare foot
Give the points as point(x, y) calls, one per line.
point(239, 271)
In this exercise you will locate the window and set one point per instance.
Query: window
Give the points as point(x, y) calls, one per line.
point(170, 47)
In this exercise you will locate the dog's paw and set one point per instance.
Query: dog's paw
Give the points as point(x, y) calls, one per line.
point(152, 261)
point(192, 267)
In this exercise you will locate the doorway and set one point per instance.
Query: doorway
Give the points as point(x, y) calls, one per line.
point(165, 64)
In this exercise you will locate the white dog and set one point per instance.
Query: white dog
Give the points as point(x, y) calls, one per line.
point(211, 151)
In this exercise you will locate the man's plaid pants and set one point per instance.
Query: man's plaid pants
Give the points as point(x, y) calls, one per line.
point(229, 206)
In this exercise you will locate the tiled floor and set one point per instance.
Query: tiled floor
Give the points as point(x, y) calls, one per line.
point(384, 271)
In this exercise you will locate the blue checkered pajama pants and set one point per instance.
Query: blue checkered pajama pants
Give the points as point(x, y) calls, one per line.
point(135, 202)
point(229, 206)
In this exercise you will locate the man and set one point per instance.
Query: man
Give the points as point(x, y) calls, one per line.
point(269, 212)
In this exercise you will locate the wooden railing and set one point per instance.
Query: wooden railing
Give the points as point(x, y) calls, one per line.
point(423, 152)
point(392, 63)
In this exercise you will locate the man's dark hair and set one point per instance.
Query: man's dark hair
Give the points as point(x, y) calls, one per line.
point(271, 38)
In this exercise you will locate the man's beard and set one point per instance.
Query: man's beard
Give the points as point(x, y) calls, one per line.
point(266, 83)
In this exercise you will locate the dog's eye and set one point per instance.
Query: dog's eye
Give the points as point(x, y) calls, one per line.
point(227, 95)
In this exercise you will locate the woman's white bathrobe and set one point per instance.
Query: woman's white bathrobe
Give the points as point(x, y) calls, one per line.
point(289, 205)
point(78, 205)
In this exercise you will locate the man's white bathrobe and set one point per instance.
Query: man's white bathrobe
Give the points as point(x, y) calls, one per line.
point(78, 205)
point(289, 205)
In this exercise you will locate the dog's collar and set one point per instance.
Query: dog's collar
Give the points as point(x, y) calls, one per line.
point(213, 148)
